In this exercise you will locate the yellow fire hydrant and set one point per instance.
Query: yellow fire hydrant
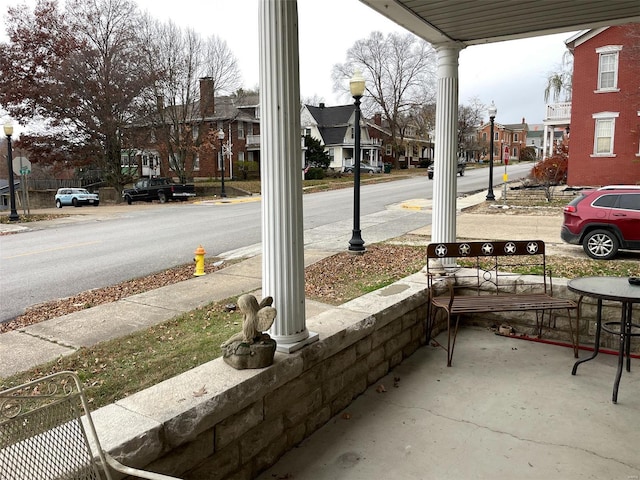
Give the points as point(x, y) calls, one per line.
point(199, 259)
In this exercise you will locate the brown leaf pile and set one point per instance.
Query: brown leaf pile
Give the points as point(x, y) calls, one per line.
point(335, 279)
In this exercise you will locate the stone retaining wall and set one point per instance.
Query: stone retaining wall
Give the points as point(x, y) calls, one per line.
point(247, 419)
point(214, 422)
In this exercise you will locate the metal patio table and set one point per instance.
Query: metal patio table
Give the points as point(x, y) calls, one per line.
point(616, 289)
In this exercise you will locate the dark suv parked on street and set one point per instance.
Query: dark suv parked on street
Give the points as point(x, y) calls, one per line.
point(604, 220)
point(460, 171)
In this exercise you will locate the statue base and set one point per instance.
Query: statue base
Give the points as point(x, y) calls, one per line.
point(241, 355)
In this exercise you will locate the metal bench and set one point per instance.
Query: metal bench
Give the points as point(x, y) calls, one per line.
point(46, 433)
point(466, 278)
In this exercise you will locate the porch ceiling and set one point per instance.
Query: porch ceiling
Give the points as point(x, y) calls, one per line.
point(471, 22)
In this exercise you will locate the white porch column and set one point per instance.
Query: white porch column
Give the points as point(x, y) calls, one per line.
point(281, 150)
point(545, 144)
point(443, 225)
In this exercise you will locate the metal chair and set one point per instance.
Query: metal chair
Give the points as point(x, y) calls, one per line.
point(46, 432)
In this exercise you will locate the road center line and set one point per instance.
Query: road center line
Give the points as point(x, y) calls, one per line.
point(38, 252)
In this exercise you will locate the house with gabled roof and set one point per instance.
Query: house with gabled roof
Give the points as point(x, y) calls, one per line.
point(334, 127)
point(509, 139)
point(237, 115)
point(412, 150)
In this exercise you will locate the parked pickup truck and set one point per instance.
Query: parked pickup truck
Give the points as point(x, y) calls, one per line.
point(161, 189)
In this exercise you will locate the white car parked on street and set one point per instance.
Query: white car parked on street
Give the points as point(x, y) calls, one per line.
point(76, 197)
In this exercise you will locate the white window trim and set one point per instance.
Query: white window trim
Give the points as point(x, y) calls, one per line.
point(608, 49)
point(638, 154)
point(604, 116)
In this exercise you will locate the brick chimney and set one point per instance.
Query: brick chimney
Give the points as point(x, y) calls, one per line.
point(207, 101)
point(377, 119)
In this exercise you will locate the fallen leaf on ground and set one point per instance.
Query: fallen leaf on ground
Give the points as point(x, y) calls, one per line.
point(201, 392)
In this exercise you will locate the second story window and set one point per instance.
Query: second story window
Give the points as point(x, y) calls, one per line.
point(608, 67)
point(240, 129)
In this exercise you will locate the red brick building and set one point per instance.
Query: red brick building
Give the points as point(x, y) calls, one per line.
point(512, 137)
point(198, 125)
point(605, 107)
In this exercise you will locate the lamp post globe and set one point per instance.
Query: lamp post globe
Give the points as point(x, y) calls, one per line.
point(13, 214)
point(357, 88)
point(223, 194)
point(492, 116)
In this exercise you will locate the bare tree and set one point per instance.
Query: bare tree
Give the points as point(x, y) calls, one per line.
point(221, 65)
point(181, 60)
point(423, 119)
point(314, 100)
point(400, 74)
point(470, 117)
point(559, 82)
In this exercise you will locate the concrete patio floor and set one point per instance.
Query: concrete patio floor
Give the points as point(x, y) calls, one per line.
point(507, 408)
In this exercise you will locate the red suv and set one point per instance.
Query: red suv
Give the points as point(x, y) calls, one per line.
point(604, 220)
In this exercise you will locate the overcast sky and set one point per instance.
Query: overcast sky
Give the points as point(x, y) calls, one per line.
point(513, 74)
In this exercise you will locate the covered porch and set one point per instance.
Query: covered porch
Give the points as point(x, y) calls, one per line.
point(509, 408)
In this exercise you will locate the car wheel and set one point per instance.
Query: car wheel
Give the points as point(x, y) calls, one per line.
point(58, 204)
point(75, 203)
point(162, 197)
point(96, 204)
point(601, 244)
point(462, 173)
point(128, 199)
point(431, 176)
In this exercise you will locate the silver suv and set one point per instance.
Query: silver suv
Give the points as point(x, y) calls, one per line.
point(76, 197)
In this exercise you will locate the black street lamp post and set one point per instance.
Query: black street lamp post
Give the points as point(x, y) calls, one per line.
point(13, 215)
point(223, 194)
point(357, 86)
point(492, 115)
